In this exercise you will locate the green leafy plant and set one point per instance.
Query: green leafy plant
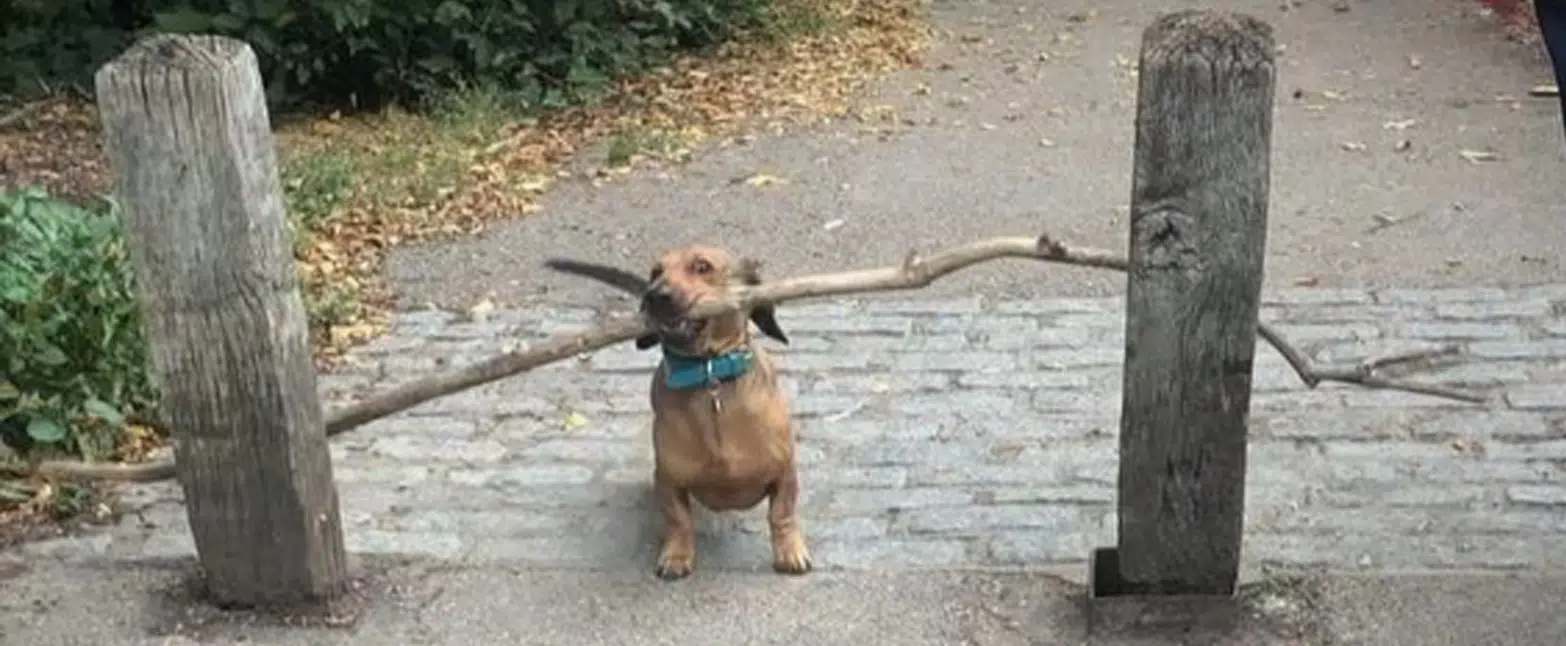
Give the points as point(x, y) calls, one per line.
point(47, 45)
point(316, 186)
point(73, 355)
point(365, 53)
point(624, 147)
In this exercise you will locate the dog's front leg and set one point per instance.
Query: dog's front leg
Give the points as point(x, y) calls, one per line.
point(789, 554)
point(678, 555)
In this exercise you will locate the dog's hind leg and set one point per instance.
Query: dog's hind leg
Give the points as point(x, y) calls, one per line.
point(789, 554)
point(678, 556)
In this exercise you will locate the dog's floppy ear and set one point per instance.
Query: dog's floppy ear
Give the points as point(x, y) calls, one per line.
point(765, 316)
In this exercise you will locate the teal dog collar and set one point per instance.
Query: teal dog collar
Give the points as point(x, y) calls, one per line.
point(686, 372)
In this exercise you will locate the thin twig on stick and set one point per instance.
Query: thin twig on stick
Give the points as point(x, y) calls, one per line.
point(914, 272)
point(1366, 374)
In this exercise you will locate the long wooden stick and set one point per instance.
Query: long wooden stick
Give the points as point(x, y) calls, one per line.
point(914, 272)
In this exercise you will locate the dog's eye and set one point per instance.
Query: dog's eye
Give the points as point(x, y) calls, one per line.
point(700, 266)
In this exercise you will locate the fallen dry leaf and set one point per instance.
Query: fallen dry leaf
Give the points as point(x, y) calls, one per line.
point(423, 180)
point(574, 421)
point(761, 180)
point(480, 311)
point(1468, 446)
point(448, 185)
point(355, 332)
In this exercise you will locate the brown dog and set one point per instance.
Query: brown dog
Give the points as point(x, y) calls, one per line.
point(722, 432)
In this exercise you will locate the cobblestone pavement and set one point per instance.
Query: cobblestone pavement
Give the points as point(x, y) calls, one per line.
point(962, 432)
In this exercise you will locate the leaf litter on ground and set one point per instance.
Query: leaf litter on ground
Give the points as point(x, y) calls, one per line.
point(362, 185)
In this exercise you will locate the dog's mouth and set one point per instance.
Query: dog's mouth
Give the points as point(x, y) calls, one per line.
point(679, 331)
point(667, 315)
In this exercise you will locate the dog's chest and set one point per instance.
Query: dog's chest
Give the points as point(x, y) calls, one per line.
point(720, 437)
point(740, 427)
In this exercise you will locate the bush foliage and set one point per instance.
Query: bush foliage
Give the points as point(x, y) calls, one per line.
point(73, 355)
point(370, 52)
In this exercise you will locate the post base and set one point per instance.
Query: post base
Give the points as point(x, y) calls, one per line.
point(1116, 606)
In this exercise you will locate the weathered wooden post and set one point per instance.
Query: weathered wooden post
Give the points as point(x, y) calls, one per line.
point(1198, 238)
point(187, 131)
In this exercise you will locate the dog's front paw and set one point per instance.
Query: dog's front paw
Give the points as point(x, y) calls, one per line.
point(675, 563)
point(791, 556)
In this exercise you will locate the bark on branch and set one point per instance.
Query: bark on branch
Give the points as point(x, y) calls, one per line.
point(914, 272)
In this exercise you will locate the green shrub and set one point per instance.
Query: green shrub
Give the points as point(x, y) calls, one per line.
point(73, 353)
point(44, 43)
point(369, 52)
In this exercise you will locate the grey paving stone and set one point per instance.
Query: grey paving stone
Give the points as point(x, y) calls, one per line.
point(853, 529)
point(1306, 333)
point(1364, 314)
point(1500, 425)
point(1479, 376)
point(831, 308)
point(1318, 297)
point(860, 501)
point(521, 477)
point(1069, 379)
point(1444, 331)
point(437, 447)
point(1537, 495)
point(979, 521)
point(587, 451)
point(857, 477)
point(1446, 295)
point(1049, 336)
point(1537, 396)
point(1059, 306)
point(1035, 548)
point(1493, 310)
point(1083, 493)
point(866, 347)
point(868, 324)
point(941, 306)
point(1545, 349)
point(1387, 398)
point(856, 359)
point(897, 382)
point(960, 432)
point(969, 362)
point(1378, 496)
point(1393, 522)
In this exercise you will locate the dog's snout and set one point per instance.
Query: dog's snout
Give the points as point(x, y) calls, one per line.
point(660, 300)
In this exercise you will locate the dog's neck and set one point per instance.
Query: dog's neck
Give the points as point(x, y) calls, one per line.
point(683, 371)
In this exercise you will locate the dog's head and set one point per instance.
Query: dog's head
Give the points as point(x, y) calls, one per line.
point(683, 277)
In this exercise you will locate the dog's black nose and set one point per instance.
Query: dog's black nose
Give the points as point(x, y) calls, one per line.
point(660, 302)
